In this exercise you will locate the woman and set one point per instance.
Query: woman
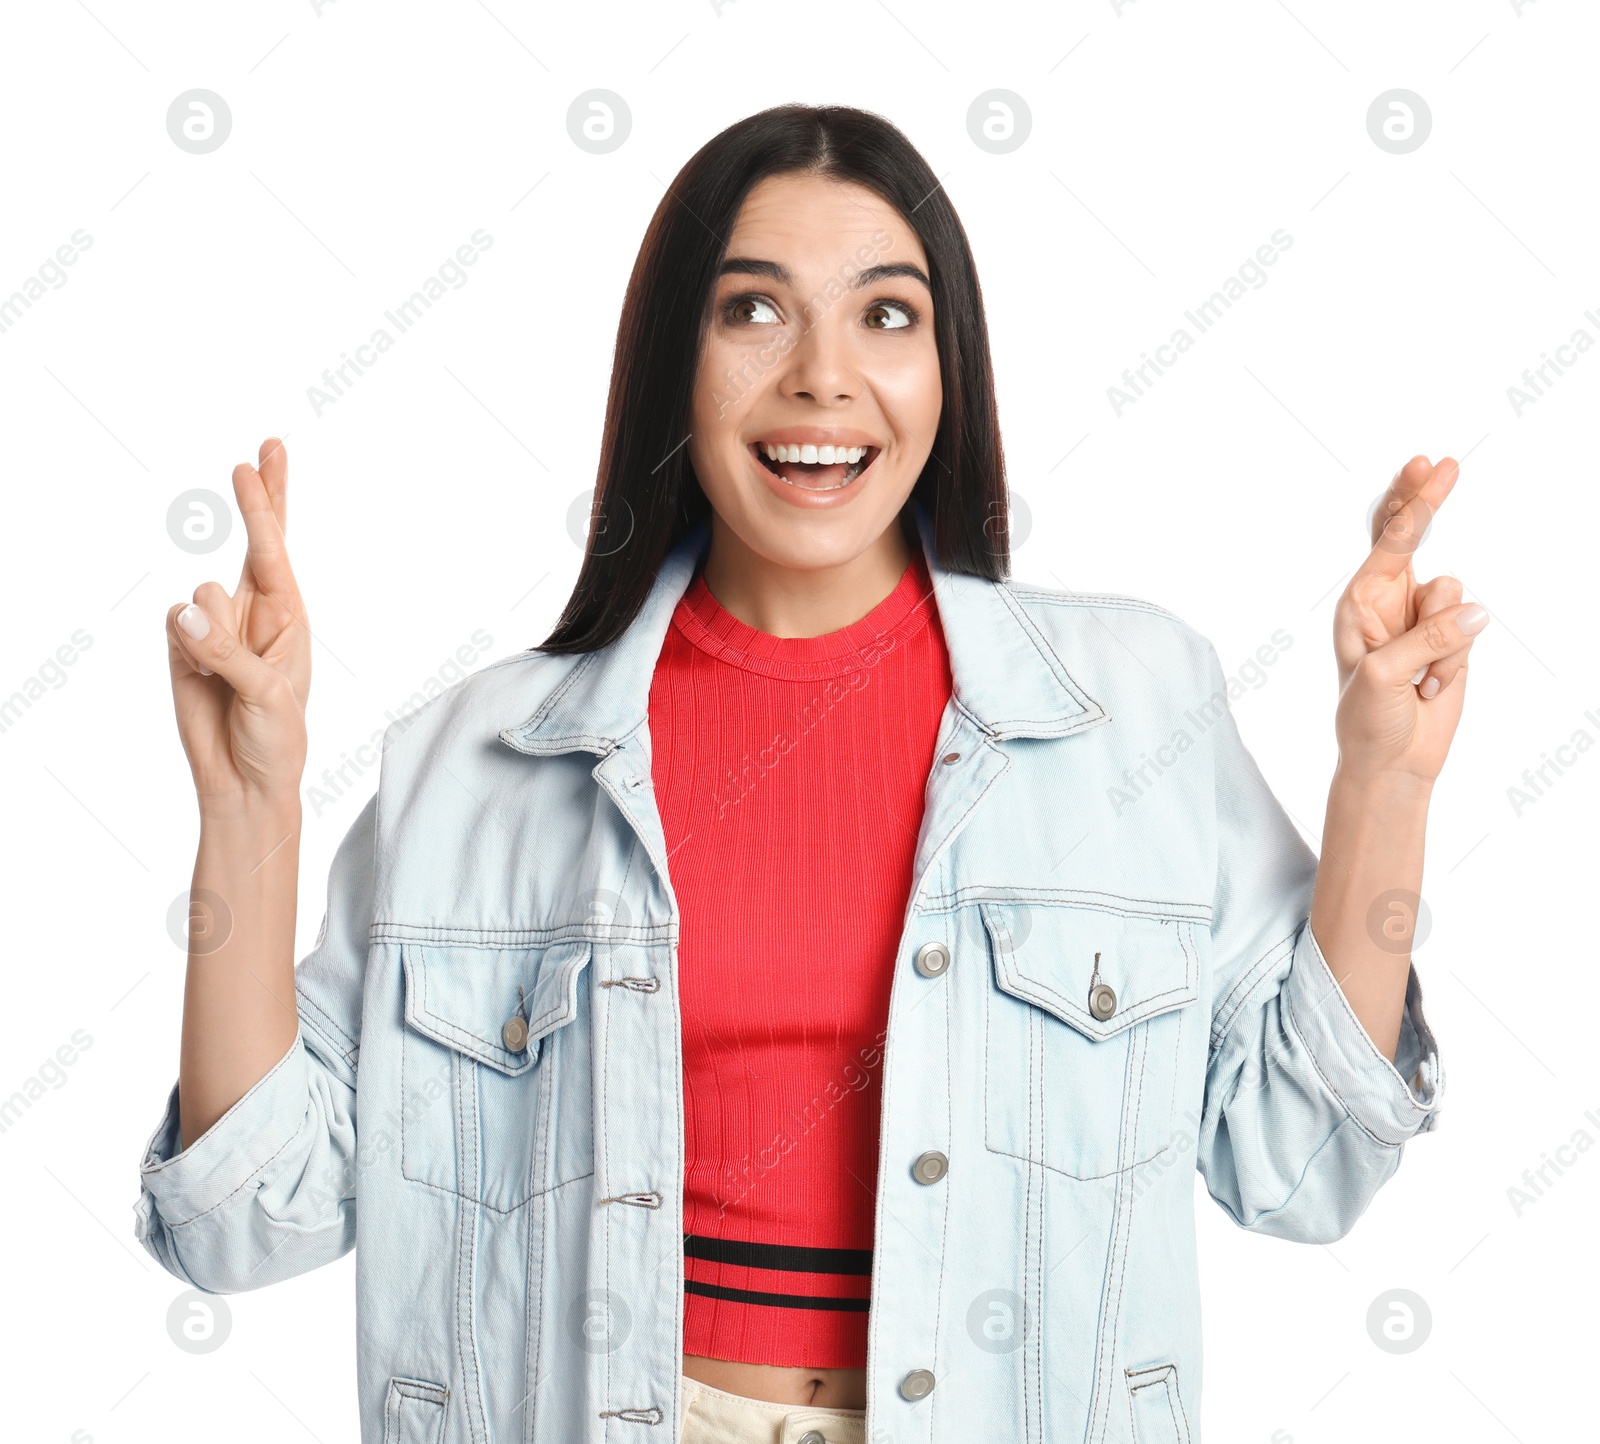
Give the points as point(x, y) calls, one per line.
point(790, 1000)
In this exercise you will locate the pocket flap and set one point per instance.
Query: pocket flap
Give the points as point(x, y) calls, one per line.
point(1044, 953)
point(462, 996)
point(413, 1412)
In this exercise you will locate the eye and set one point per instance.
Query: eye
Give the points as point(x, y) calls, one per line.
point(902, 307)
point(739, 310)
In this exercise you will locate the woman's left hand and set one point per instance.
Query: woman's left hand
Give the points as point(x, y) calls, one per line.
point(1394, 718)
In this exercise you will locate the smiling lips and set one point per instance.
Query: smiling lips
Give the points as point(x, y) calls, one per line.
point(816, 462)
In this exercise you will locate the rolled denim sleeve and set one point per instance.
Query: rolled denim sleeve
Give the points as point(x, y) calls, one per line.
point(268, 1191)
point(1304, 1117)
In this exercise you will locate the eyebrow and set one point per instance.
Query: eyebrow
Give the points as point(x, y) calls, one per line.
point(775, 271)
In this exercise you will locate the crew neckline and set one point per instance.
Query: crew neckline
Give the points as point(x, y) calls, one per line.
point(713, 629)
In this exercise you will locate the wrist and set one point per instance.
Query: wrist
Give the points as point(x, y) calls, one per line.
point(1388, 784)
point(250, 812)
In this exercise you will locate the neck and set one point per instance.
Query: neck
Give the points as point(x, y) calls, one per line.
point(784, 600)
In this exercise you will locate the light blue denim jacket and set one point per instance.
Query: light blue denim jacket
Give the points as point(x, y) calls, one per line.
point(1093, 821)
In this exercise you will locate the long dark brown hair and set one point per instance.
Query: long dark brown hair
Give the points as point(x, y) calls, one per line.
point(647, 496)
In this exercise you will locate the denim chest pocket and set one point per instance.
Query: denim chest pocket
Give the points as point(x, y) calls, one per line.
point(1084, 1023)
point(494, 1069)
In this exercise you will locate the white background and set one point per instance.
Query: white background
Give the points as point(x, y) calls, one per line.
point(1168, 141)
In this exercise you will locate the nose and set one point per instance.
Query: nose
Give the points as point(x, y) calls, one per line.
point(819, 365)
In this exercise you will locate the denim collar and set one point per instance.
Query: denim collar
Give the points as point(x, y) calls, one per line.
point(1005, 673)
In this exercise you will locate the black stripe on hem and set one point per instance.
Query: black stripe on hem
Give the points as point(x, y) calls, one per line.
point(790, 1257)
point(782, 1301)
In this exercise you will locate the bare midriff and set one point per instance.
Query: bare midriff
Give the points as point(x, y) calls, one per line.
point(781, 1383)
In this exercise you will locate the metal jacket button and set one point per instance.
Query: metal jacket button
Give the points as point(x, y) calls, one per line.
point(932, 959)
point(811, 1436)
point(930, 1167)
point(515, 1034)
point(1102, 1001)
point(918, 1384)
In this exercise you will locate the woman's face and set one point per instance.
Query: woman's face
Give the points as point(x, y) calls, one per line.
point(821, 335)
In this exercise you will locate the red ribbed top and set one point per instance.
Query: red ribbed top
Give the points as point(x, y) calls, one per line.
point(789, 773)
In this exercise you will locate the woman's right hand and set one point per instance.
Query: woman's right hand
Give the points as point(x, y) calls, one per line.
point(239, 689)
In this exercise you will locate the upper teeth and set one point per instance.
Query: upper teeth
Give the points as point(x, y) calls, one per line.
point(826, 455)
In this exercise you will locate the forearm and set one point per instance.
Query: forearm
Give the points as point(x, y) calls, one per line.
point(1368, 882)
point(239, 1014)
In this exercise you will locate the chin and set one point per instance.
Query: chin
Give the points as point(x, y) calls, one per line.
point(810, 537)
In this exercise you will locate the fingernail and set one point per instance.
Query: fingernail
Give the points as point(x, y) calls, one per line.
point(1430, 687)
point(1420, 670)
point(1474, 619)
point(195, 622)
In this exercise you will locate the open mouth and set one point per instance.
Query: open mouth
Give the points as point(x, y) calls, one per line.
point(817, 475)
